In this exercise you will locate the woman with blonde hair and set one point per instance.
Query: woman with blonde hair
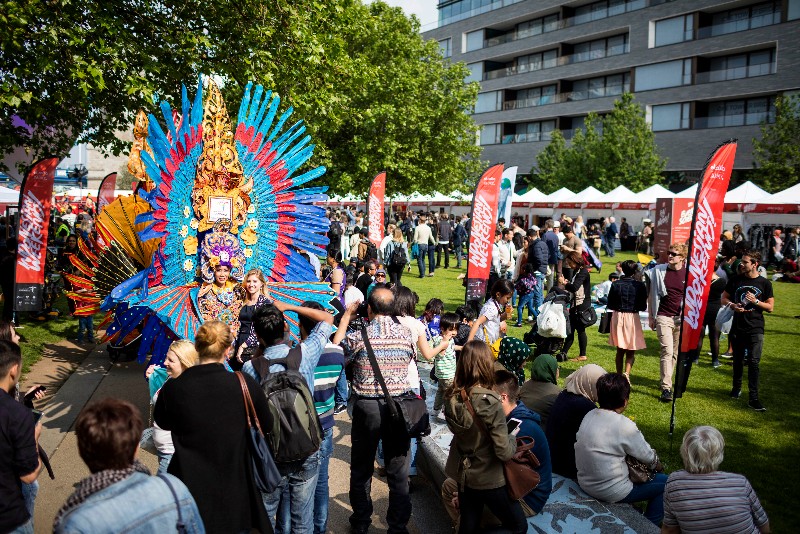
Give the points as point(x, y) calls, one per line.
point(481, 442)
point(205, 411)
point(395, 268)
point(701, 499)
point(255, 296)
point(180, 356)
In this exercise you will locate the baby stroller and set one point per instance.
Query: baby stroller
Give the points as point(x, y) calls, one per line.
point(551, 345)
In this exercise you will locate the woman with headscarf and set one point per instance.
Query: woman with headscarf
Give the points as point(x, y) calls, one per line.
point(540, 392)
point(513, 354)
point(566, 415)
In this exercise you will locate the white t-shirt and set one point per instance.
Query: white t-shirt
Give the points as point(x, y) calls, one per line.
point(314, 261)
point(353, 294)
point(492, 325)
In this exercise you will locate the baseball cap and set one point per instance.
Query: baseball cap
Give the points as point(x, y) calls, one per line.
point(556, 224)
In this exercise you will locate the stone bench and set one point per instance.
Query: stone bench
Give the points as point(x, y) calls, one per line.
point(568, 510)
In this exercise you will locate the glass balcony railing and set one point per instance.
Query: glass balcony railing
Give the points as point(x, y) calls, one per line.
point(572, 96)
point(556, 62)
point(767, 19)
point(743, 119)
point(526, 137)
point(455, 17)
point(737, 73)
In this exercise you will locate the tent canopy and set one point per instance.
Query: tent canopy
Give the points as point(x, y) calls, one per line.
point(8, 196)
point(652, 193)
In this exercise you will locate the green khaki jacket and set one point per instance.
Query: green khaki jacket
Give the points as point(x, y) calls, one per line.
point(476, 461)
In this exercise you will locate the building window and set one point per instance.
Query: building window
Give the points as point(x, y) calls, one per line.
point(530, 132)
point(446, 46)
point(612, 85)
point(538, 61)
point(533, 96)
point(745, 18)
point(734, 67)
point(674, 30)
point(606, 8)
point(661, 75)
point(600, 48)
point(752, 111)
point(476, 72)
point(536, 26)
point(451, 11)
point(490, 134)
point(488, 102)
point(793, 10)
point(474, 40)
point(670, 117)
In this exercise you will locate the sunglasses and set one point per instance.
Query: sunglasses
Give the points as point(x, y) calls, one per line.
point(380, 275)
point(672, 254)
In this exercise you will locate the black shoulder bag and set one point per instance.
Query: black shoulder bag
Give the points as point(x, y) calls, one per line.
point(408, 410)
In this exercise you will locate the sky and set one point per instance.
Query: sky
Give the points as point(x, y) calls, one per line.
point(425, 10)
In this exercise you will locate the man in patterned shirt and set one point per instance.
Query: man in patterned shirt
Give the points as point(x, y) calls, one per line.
point(393, 347)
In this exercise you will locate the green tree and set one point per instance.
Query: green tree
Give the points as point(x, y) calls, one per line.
point(618, 148)
point(777, 153)
point(373, 95)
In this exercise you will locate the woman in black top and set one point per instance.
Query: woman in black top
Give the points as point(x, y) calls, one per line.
point(710, 318)
point(205, 411)
point(580, 287)
point(246, 342)
point(627, 298)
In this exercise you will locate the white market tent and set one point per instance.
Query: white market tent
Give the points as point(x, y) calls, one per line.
point(8, 196)
point(689, 192)
point(782, 208)
point(653, 193)
point(543, 207)
point(735, 200)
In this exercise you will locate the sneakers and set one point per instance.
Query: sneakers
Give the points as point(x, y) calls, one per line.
point(339, 409)
point(756, 405)
point(736, 393)
point(441, 417)
point(727, 355)
point(716, 364)
point(518, 325)
point(666, 396)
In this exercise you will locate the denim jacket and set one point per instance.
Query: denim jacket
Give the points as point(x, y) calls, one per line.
point(140, 503)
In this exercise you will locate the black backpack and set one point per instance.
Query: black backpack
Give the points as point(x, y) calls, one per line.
point(335, 232)
point(295, 432)
point(397, 257)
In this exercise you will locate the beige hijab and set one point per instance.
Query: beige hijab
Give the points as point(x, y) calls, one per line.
point(584, 381)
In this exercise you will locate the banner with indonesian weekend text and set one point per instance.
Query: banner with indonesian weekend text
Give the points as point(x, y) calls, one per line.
point(704, 242)
point(35, 199)
point(105, 195)
point(481, 239)
point(377, 192)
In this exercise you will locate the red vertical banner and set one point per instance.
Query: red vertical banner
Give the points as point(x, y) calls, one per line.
point(377, 192)
point(105, 195)
point(704, 242)
point(481, 238)
point(35, 198)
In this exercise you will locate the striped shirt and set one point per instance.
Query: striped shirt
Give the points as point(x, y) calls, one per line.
point(394, 348)
point(713, 503)
point(444, 363)
point(326, 375)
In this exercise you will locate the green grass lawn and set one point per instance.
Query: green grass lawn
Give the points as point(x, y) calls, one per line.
point(761, 446)
point(35, 335)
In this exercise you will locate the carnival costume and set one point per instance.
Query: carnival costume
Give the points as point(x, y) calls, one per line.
point(211, 195)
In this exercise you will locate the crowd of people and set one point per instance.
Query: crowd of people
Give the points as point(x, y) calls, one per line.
point(219, 384)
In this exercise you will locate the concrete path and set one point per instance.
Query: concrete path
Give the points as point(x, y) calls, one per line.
point(72, 386)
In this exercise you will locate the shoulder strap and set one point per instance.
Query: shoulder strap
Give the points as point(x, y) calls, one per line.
point(377, 370)
point(252, 420)
point(179, 526)
point(478, 420)
point(261, 367)
point(293, 359)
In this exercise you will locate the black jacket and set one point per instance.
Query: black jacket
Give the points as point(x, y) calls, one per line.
point(538, 254)
point(627, 295)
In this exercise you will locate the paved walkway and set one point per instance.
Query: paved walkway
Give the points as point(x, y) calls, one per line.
point(76, 376)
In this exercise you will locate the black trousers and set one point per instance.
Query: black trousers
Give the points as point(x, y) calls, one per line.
point(472, 501)
point(750, 345)
point(372, 421)
point(395, 274)
point(581, 330)
point(443, 247)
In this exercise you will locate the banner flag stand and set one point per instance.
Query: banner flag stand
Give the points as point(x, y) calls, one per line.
point(481, 238)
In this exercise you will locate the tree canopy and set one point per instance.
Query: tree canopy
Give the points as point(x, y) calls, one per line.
point(777, 153)
point(618, 148)
point(374, 95)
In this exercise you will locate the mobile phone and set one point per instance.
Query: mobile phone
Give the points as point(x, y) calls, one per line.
point(513, 426)
point(38, 389)
point(37, 416)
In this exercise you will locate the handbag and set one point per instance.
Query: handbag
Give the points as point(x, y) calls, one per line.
point(409, 411)
point(724, 319)
point(520, 470)
point(587, 317)
point(265, 472)
point(639, 472)
point(495, 346)
point(605, 323)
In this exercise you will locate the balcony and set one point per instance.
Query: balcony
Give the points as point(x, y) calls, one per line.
point(737, 73)
point(744, 24)
point(580, 57)
point(572, 96)
point(724, 121)
point(526, 137)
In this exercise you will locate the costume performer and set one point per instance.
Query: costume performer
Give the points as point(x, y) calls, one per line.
point(215, 201)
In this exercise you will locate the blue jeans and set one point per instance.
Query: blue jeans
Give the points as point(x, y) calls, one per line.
point(610, 241)
point(538, 293)
point(653, 493)
point(25, 528)
point(163, 462)
point(341, 394)
point(291, 505)
point(431, 258)
point(526, 301)
point(459, 254)
point(321, 494)
point(29, 492)
point(86, 324)
point(421, 254)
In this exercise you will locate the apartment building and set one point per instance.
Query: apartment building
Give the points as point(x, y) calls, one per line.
point(705, 71)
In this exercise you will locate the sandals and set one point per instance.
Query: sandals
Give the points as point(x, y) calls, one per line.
point(579, 359)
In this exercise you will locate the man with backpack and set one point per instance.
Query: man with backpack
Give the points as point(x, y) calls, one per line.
point(366, 249)
point(287, 377)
